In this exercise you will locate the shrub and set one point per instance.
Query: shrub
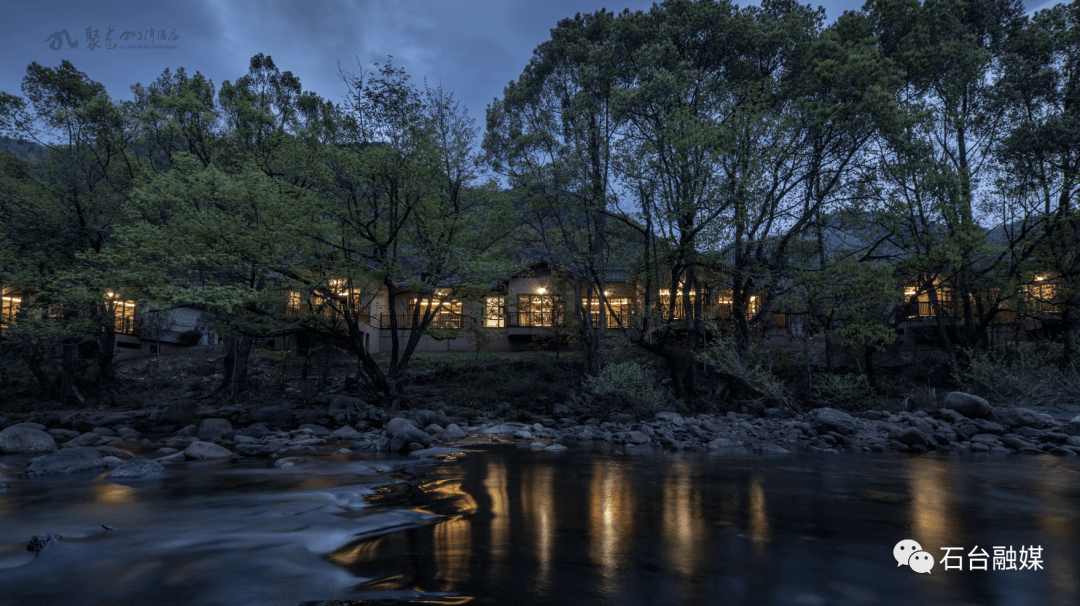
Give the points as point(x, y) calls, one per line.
point(521, 416)
point(1032, 376)
point(470, 413)
point(626, 381)
point(847, 390)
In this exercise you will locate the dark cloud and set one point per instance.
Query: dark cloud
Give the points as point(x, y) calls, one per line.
point(472, 48)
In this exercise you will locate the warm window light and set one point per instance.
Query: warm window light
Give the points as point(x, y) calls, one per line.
point(13, 299)
point(109, 294)
point(541, 290)
point(1040, 278)
point(909, 291)
point(753, 298)
point(607, 293)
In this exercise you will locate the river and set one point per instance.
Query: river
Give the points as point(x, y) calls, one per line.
point(506, 525)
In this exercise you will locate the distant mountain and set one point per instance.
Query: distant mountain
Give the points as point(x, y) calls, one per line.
point(23, 149)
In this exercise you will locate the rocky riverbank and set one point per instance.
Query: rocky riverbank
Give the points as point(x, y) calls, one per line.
point(137, 444)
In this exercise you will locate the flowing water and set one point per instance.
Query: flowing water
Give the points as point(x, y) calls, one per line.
point(505, 525)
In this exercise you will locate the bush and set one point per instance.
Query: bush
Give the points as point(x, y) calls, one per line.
point(851, 391)
point(1034, 377)
point(470, 413)
point(626, 381)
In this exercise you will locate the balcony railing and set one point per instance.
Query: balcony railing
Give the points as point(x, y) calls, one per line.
point(445, 321)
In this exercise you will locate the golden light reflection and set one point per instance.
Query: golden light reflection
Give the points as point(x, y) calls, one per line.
point(109, 492)
point(1058, 525)
point(759, 516)
point(538, 511)
point(684, 528)
point(460, 501)
point(933, 507)
point(453, 551)
point(611, 516)
point(366, 551)
point(495, 485)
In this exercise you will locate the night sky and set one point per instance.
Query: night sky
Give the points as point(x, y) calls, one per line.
point(472, 48)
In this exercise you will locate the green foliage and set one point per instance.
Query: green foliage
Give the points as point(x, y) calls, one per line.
point(471, 414)
point(848, 391)
point(1030, 377)
point(628, 383)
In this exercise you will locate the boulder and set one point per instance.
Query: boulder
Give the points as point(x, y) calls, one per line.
point(184, 412)
point(951, 416)
point(498, 429)
point(39, 542)
point(316, 430)
point(433, 452)
point(289, 462)
point(110, 451)
point(344, 434)
point(671, 417)
point(115, 419)
point(206, 450)
point(635, 437)
point(138, 468)
point(63, 435)
point(912, 436)
point(255, 450)
point(344, 404)
point(972, 407)
point(1072, 428)
point(187, 432)
point(555, 448)
point(829, 419)
point(28, 425)
point(215, 429)
point(769, 448)
point(67, 461)
point(256, 430)
point(276, 416)
point(453, 432)
point(719, 443)
point(1020, 417)
point(988, 439)
point(25, 439)
point(399, 424)
point(365, 446)
point(408, 434)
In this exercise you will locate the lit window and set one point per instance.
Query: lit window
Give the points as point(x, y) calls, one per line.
point(9, 307)
point(494, 312)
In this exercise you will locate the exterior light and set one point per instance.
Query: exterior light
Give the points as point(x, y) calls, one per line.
point(1040, 278)
point(541, 290)
point(109, 294)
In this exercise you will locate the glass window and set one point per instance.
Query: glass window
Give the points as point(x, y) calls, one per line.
point(540, 310)
point(494, 312)
point(9, 307)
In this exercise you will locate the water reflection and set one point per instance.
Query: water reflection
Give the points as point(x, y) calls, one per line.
point(495, 484)
point(107, 492)
point(683, 522)
point(453, 550)
point(1057, 521)
point(759, 516)
point(933, 507)
point(538, 513)
point(611, 516)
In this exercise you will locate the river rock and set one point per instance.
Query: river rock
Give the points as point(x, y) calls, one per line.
point(555, 448)
point(115, 419)
point(344, 434)
point(138, 468)
point(716, 444)
point(951, 416)
point(769, 448)
point(912, 436)
point(39, 542)
point(215, 429)
point(971, 406)
point(671, 417)
point(398, 424)
point(988, 439)
point(277, 416)
point(184, 412)
point(111, 451)
point(425, 453)
point(316, 430)
point(829, 419)
point(289, 462)
point(364, 446)
point(408, 434)
point(188, 432)
point(497, 429)
point(29, 425)
point(1015, 442)
point(206, 450)
point(63, 435)
point(25, 439)
point(67, 461)
point(453, 432)
point(255, 430)
point(985, 426)
point(1020, 417)
point(1072, 427)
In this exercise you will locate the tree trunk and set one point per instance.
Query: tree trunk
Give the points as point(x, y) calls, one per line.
point(235, 380)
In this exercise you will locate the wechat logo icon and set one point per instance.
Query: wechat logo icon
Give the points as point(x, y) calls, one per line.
point(911, 554)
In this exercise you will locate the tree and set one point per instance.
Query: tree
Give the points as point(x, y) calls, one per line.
point(399, 212)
